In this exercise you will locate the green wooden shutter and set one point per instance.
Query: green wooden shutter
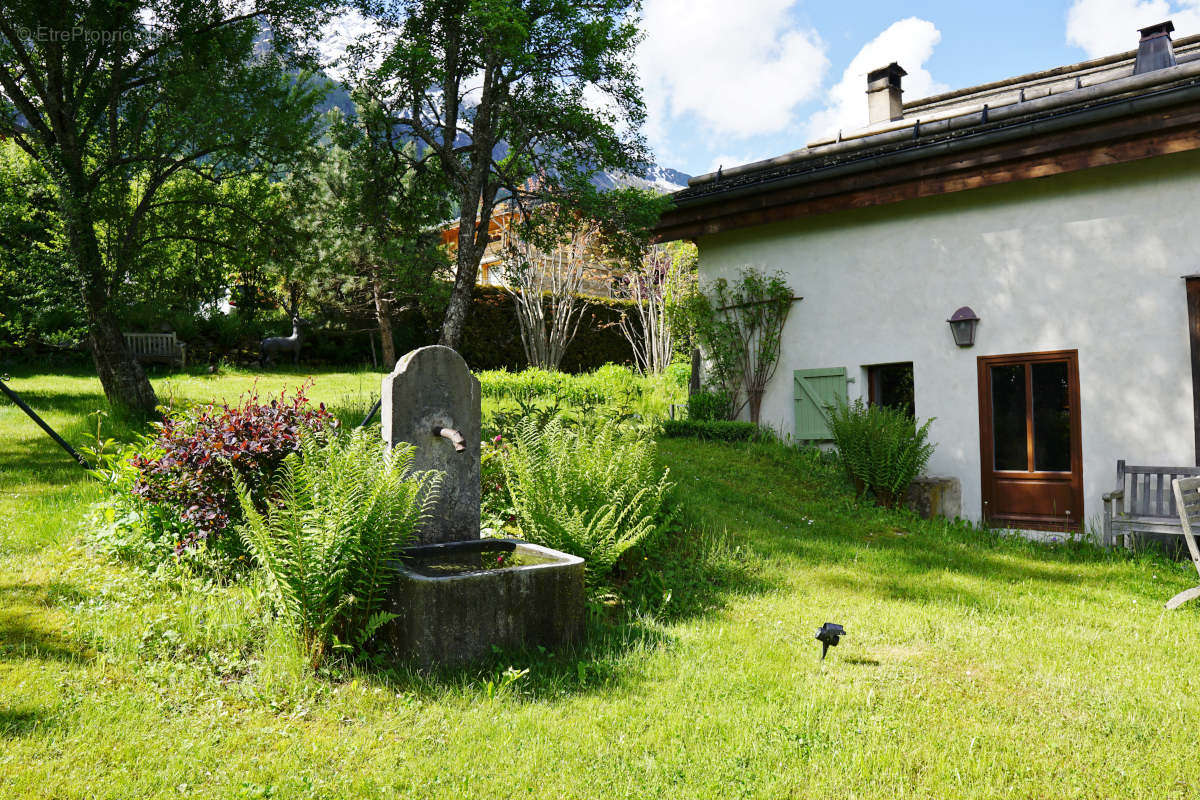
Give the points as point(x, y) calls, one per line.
point(815, 390)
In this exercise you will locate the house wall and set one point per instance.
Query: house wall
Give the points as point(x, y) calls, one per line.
point(1089, 261)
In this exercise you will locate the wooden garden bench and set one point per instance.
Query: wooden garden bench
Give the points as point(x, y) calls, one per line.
point(162, 348)
point(1143, 502)
point(1186, 492)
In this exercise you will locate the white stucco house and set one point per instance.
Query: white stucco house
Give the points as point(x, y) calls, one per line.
point(1062, 207)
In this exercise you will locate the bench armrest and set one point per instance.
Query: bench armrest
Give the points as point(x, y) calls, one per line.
point(1114, 504)
point(1113, 498)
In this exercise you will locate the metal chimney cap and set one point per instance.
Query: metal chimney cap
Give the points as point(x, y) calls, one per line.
point(1155, 51)
point(1161, 29)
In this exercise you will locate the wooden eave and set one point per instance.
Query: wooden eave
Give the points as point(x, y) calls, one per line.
point(1161, 131)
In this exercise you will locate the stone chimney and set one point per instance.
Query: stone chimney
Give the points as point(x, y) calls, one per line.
point(883, 93)
point(1154, 49)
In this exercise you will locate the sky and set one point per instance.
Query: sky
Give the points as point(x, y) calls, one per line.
point(727, 82)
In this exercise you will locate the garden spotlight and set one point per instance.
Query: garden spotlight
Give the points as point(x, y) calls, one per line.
point(828, 635)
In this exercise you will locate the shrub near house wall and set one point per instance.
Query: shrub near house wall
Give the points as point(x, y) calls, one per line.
point(704, 406)
point(719, 430)
point(882, 448)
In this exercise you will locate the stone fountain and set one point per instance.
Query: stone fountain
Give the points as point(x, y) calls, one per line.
point(458, 594)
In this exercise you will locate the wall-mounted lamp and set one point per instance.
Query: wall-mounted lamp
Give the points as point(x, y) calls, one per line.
point(962, 325)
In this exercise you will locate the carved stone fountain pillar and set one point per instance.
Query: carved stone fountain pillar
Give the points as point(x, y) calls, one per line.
point(431, 400)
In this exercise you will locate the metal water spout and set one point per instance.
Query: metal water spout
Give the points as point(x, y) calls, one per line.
point(454, 437)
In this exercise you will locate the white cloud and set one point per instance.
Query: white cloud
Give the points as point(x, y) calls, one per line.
point(909, 42)
point(726, 160)
point(1106, 27)
point(739, 69)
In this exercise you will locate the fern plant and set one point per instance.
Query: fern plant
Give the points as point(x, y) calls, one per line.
point(328, 540)
point(882, 449)
point(591, 492)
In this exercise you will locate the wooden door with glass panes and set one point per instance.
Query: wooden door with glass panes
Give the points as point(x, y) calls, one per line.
point(1029, 440)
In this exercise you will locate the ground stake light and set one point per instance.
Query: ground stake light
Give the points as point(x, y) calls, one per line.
point(828, 635)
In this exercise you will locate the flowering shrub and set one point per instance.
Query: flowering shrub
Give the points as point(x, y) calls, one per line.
point(189, 466)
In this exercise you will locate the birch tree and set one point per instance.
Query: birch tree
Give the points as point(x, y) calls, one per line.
point(545, 286)
point(659, 279)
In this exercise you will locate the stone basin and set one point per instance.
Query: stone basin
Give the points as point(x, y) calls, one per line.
point(458, 599)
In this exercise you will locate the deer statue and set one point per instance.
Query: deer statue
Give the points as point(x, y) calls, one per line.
point(283, 344)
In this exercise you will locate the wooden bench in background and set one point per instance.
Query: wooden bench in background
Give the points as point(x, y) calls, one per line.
point(158, 348)
point(1143, 502)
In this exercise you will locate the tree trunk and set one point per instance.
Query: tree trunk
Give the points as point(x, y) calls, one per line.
point(476, 202)
point(122, 377)
point(755, 397)
point(383, 315)
point(460, 298)
point(124, 381)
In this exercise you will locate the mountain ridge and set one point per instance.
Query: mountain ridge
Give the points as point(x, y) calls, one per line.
point(663, 180)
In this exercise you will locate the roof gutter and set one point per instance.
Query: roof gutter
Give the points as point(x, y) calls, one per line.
point(910, 148)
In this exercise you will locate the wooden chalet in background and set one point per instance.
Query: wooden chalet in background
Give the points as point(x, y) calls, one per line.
point(598, 279)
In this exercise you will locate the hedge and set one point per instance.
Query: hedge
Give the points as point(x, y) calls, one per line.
point(491, 339)
point(716, 430)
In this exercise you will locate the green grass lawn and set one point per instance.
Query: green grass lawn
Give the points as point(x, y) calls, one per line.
point(974, 666)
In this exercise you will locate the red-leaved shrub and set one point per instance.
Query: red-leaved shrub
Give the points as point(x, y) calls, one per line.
point(194, 456)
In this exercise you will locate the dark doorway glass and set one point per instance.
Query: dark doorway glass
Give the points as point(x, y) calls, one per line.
point(891, 385)
point(1051, 417)
point(1009, 423)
